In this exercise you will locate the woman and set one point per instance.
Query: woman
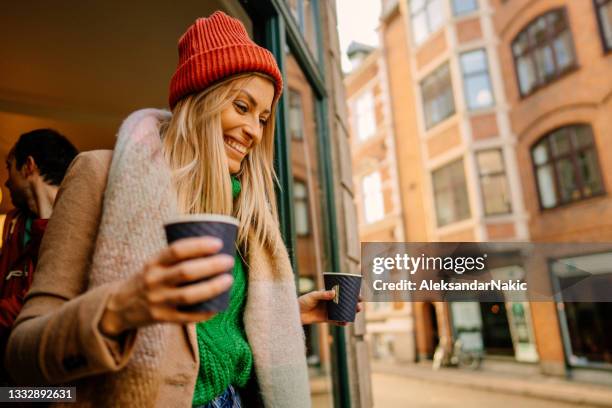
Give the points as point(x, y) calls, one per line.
point(106, 279)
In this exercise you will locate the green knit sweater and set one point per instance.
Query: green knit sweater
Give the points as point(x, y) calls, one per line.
point(225, 354)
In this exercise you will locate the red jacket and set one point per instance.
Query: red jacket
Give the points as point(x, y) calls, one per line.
point(17, 264)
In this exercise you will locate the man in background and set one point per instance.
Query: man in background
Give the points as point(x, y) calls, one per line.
point(36, 166)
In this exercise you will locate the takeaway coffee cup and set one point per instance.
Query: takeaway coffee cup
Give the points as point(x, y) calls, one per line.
point(223, 227)
point(342, 307)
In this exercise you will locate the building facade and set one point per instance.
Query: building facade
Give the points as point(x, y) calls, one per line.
point(458, 168)
point(377, 193)
point(97, 62)
point(499, 114)
point(557, 61)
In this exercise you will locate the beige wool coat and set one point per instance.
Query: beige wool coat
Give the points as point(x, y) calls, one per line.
point(107, 220)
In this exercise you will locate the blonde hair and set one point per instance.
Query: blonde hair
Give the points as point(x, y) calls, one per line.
point(194, 148)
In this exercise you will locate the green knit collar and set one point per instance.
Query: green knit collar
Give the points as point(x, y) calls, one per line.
point(235, 187)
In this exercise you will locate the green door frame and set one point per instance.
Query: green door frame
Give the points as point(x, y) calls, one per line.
point(276, 29)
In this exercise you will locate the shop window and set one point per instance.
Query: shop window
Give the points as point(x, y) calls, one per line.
point(373, 202)
point(365, 116)
point(450, 193)
point(604, 15)
point(590, 340)
point(296, 115)
point(493, 182)
point(586, 324)
point(566, 166)
point(426, 16)
point(543, 51)
point(438, 101)
point(300, 202)
point(464, 6)
point(476, 81)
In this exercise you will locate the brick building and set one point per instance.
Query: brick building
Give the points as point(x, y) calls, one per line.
point(499, 112)
point(377, 193)
point(556, 58)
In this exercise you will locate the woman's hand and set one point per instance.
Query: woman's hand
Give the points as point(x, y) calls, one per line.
point(167, 281)
point(313, 307)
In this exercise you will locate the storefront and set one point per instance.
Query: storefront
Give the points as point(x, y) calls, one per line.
point(82, 67)
point(497, 328)
point(585, 326)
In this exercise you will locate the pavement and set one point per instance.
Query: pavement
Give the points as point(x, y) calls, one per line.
point(394, 391)
point(497, 384)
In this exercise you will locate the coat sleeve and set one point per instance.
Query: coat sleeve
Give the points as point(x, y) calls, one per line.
point(56, 337)
point(9, 309)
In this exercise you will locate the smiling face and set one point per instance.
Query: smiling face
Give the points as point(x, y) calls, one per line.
point(244, 119)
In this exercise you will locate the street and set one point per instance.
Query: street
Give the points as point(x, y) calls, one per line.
point(396, 391)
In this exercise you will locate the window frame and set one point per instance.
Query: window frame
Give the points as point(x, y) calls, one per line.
point(532, 47)
point(297, 12)
point(453, 188)
point(572, 155)
point(424, 10)
point(291, 94)
point(598, 5)
point(306, 201)
point(357, 115)
point(486, 71)
point(453, 111)
point(501, 172)
point(464, 13)
point(304, 16)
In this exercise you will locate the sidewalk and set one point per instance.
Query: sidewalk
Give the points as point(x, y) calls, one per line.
point(531, 385)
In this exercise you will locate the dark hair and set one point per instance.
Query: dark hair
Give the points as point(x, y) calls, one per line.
point(51, 152)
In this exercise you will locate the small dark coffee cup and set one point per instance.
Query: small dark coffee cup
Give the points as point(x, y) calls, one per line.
point(223, 227)
point(343, 307)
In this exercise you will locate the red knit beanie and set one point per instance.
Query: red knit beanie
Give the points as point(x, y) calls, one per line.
point(215, 48)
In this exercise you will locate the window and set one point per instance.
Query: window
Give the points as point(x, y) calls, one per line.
point(464, 6)
point(566, 167)
point(450, 193)
point(304, 13)
point(296, 115)
point(493, 182)
point(426, 16)
point(297, 9)
point(590, 342)
point(586, 315)
point(300, 202)
point(476, 79)
point(438, 102)
point(373, 203)
point(366, 119)
point(543, 51)
point(604, 14)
